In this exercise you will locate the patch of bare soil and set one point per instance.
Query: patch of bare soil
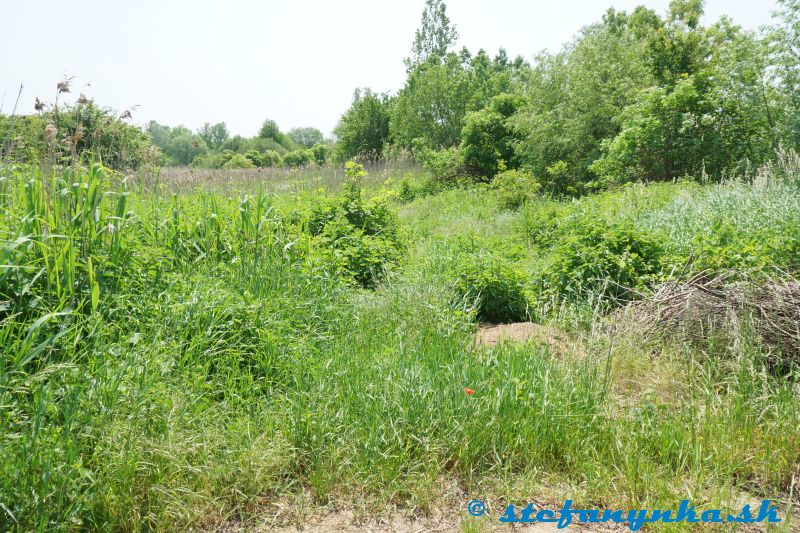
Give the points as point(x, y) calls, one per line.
point(347, 522)
point(556, 340)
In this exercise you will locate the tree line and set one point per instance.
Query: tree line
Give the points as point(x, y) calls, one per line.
point(212, 146)
point(634, 96)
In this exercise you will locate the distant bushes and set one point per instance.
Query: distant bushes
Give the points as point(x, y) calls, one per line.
point(213, 147)
point(299, 158)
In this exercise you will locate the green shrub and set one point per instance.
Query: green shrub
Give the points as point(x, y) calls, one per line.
point(515, 187)
point(487, 138)
point(408, 191)
point(498, 289)
point(321, 153)
point(238, 161)
point(271, 159)
point(358, 238)
point(298, 158)
point(446, 166)
point(266, 159)
point(598, 257)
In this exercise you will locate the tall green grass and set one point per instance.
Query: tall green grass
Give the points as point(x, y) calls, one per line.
point(196, 361)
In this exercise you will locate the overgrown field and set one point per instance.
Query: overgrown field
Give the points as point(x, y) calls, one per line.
point(175, 360)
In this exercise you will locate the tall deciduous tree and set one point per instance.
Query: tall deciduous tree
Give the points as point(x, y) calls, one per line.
point(435, 35)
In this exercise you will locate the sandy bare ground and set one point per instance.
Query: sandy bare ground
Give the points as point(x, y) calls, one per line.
point(555, 339)
point(346, 521)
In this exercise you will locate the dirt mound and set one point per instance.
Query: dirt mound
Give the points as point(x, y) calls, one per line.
point(703, 307)
point(557, 340)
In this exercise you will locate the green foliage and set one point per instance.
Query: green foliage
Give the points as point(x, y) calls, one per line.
point(496, 287)
point(66, 134)
point(270, 131)
point(434, 37)
point(363, 130)
point(689, 130)
point(214, 135)
point(447, 165)
point(431, 109)
point(615, 261)
point(268, 159)
point(237, 161)
point(321, 153)
point(575, 99)
point(183, 147)
point(784, 46)
point(488, 139)
point(357, 238)
point(306, 137)
point(227, 159)
point(515, 187)
point(299, 158)
point(271, 158)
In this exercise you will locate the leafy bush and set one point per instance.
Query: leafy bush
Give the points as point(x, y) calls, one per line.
point(408, 191)
point(268, 159)
point(358, 238)
point(515, 187)
point(363, 130)
point(238, 161)
point(596, 256)
point(487, 138)
point(299, 158)
point(271, 159)
point(446, 166)
point(321, 153)
point(498, 289)
point(74, 130)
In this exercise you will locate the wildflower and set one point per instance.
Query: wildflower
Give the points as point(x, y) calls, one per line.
point(469, 391)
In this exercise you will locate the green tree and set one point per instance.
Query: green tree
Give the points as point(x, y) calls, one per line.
point(363, 130)
point(183, 147)
point(431, 109)
point(434, 37)
point(784, 43)
point(307, 137)
point(575, 99)
point(214, 135)
point(269, 130)
point(488, 139)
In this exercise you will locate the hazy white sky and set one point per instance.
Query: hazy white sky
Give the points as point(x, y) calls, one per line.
point(241, 61)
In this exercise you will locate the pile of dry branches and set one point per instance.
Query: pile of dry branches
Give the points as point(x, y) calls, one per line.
point(705, 306)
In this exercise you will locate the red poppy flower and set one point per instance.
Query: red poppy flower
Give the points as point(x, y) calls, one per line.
point(469, 391)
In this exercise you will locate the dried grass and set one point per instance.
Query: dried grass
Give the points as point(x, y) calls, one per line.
point(707, 306)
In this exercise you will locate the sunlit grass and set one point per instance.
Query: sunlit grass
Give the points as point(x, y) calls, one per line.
point(191, 365)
